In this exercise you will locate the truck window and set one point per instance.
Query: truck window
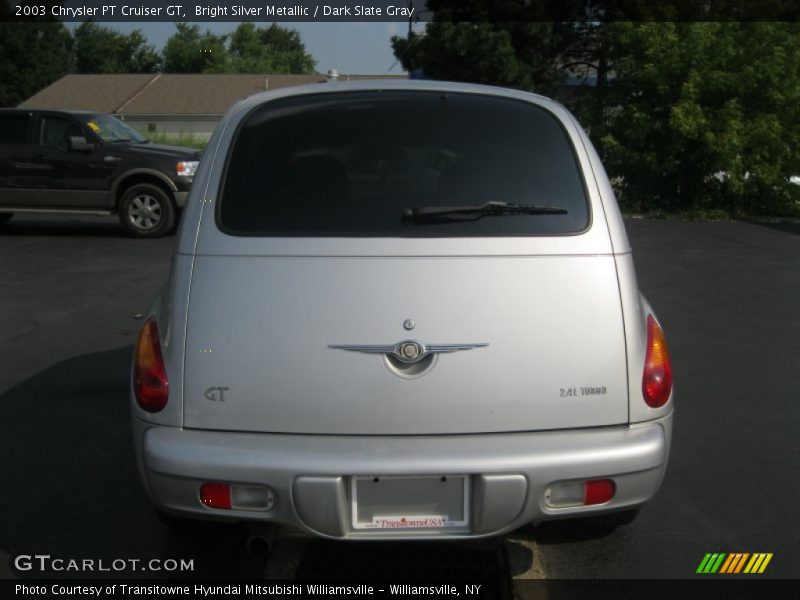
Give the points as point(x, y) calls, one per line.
point(13, 129)
point(56, 131)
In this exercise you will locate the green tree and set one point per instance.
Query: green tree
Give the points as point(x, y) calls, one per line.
point(33, 54)
point(189, 51)
point(705, 116)
point(689, 115)
point(99, 49)
point(269, 50)
point(525, 55)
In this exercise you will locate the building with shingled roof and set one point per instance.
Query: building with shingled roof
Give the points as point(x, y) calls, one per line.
point(164, 103)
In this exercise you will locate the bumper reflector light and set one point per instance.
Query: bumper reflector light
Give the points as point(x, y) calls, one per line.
point(237, 497)
point(579, 493)
point(216, 495)
point(568, 493)
point(599, 491)
point(251, 497)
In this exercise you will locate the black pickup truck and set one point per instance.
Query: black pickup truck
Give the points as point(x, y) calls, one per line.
point(91, 163)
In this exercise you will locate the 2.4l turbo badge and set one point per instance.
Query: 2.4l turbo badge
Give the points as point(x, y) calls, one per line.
point(572, 392)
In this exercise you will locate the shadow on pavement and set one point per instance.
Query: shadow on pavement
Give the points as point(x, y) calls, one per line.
point(567, 532)
point(70, 487)
point(783, 226)
point(395, 562)
point(50, 226)
point(520, 555)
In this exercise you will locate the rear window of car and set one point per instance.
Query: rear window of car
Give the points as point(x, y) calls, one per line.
point(351, 164)
point(13, 129)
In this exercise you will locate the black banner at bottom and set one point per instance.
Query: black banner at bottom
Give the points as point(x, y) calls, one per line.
point(560, 589)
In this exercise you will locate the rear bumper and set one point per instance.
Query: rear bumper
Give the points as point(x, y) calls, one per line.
point(310, 474)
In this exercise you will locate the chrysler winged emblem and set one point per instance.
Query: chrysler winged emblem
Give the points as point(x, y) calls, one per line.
point(407, 351)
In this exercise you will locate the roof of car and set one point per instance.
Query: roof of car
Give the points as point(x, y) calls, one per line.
point(377, 85)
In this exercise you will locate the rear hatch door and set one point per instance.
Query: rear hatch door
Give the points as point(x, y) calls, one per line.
point(305, 246)
point(263, 327)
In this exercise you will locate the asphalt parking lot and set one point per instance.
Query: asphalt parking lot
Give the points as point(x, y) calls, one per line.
point(727, 294)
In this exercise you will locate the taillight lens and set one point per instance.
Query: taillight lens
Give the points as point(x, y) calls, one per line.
point(657, 378)
point(150, 385)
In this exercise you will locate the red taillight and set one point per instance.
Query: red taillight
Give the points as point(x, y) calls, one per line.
point(657, 378)
point(598, 491)
point(216, 495)
point(150, 385)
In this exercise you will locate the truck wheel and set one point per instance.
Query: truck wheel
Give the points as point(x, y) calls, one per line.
point(146, 211)
point(5, 217)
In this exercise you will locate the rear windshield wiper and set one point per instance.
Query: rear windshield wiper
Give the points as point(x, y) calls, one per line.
point(481, 210)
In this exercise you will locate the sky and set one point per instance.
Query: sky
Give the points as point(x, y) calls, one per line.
point(361, 48)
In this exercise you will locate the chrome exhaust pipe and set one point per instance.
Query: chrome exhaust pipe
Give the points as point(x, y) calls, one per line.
point(260, 538)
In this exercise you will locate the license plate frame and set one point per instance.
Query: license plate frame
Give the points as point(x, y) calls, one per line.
point(424, 502)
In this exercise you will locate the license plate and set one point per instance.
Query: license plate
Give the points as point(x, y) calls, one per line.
point(410, 502)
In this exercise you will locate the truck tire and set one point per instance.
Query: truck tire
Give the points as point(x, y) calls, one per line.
point(146, 211)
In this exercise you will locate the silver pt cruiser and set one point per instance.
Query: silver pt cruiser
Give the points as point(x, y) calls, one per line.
point(401, 310)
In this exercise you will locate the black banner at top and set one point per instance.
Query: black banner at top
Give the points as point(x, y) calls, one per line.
point(217, 10)
point(399, 10)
